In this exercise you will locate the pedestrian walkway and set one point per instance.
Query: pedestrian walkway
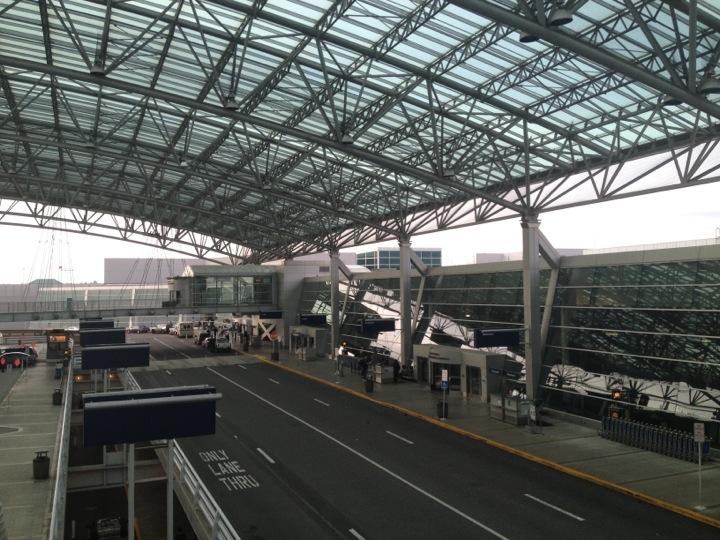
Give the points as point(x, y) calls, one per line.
point(28, 423)
point(571, 447)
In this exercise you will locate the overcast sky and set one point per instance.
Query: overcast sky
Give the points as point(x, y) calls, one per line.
point(672, 216)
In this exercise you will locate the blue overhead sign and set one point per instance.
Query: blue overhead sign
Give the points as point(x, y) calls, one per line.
point(145, 415)
point(115, 356)
point(372, 327)
point(497, 337)
point(312, 319)
point(96, 324)
point(103, 336)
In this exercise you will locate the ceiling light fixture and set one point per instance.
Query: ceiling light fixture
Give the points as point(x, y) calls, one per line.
point(560, 17)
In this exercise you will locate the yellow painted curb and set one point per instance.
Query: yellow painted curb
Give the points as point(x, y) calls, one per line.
point(686, 512)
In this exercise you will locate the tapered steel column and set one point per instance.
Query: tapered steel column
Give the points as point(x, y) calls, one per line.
point(335, 306)
point(531, 302)
point(406, 342)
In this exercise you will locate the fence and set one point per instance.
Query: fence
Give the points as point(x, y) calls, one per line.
point(669, 442)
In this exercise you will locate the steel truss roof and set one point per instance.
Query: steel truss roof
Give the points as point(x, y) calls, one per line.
point(269, 129)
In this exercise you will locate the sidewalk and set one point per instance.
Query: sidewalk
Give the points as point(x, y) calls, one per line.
point(28, 422)
point(569, 447)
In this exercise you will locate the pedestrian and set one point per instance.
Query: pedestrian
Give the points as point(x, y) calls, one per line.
point(363, 367)
point(396, 370)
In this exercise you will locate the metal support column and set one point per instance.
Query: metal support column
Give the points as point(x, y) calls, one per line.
point(406, 344)
point(335, 306)
point(131, 491)
point(531, 302)
point(170, 477)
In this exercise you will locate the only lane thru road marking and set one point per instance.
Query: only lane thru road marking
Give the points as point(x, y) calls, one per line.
point(364, 457)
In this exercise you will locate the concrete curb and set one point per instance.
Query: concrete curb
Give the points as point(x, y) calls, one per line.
point(686, 512)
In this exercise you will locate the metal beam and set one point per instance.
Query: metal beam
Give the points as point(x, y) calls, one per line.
point(381, 161)
point(604, 58)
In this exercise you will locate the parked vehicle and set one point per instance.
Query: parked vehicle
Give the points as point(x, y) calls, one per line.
point(159, 329)
point(143, 329)
point(173, 330)
point(222, 344)
point(200, 337)
point(185, 329)
point(209, 343)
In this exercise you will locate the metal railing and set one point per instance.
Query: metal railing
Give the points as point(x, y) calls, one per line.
point(186, 478)
point(669, 442)
point(57, 520)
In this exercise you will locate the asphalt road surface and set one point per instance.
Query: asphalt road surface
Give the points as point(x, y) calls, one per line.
point(292, 458)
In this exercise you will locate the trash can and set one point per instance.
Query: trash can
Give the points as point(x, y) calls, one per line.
point(41, 465)
point(57, 397)
point(369, 384)
point(442, 409)
point(275, 354)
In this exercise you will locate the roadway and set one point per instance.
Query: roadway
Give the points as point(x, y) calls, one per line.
point(292, 458)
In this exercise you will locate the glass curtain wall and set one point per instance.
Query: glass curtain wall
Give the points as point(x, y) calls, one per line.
point(231, 290)
point(650, 330)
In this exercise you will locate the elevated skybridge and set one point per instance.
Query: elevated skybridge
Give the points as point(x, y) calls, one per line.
point(48, 311)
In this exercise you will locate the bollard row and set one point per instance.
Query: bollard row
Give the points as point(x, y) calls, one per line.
point(669, 442)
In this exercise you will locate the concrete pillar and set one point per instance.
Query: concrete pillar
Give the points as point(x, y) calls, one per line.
point(406, 342)
point(334, 303)
point(531, 301)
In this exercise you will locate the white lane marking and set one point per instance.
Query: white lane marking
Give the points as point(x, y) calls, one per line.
point(321, 402)
point(357, 534)
point(235, 436)
point(241, 366)
point(168, 372)
point(554, 507)
point(218, 415)
point(271, 460)
point(173, 348)
point(403, 439)
point(269, 379)
point(364, 458)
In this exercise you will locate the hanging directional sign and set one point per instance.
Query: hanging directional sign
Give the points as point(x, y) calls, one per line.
point(145, 415)
point(116, 355)
point(497, 337)
point(102, 336)
point(372, 327)
point(313, 319)
point(96, 324)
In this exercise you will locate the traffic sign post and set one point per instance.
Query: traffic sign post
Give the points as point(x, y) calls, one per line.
point(699, 438)
point(444, 386)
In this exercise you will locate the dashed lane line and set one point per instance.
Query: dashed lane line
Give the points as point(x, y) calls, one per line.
point(403, 439)
point(271, 380)
point(556, 508)
point(218, 415)
point(264, 454)
point(357, 534)
point(321, 402)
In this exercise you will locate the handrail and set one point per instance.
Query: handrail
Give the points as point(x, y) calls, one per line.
point(216, 519)
point(57, 520)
